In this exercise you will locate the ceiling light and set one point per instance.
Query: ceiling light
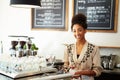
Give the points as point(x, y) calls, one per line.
point(25, 3)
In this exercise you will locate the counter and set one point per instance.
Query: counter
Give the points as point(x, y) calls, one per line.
point(29, 73)
point(109, 75)
point(26, 74)
point(106, 75)
point(43, 75)
point(114, 71)
point(34, 68)
point(29, 68)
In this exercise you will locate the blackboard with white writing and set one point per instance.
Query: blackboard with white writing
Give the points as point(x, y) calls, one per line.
point(50, 15)
point(100, 13)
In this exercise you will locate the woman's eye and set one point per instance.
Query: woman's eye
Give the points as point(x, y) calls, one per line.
point(74, 31)
point(80, 30)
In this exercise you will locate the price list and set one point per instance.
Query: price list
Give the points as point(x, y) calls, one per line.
point(100, 13)
point(51, 14)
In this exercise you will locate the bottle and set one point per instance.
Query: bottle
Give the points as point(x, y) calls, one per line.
point(106, 64)
point(29, 44)
point(1, 47)
point(111, 64)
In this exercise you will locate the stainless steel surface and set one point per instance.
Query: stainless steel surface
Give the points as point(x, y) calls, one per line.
point(29, 73)
point(114, 71)
point(108, 62)
point(55, 77)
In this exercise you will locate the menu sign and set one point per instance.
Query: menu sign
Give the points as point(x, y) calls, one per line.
point(100, 13)
point(51, 14)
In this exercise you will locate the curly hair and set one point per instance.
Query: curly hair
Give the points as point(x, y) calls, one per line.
point(80, 19)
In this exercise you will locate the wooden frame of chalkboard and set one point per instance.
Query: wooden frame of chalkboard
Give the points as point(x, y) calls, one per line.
point(52, 15)
point(102, 15)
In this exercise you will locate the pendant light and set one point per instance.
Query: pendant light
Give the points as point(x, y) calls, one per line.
point(25, 3)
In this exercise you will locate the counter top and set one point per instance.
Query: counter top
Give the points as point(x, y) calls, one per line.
point(56, 76)
point(114, 71)
point(28, 73)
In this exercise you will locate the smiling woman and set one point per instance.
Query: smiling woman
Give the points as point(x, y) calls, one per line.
point(83, 58)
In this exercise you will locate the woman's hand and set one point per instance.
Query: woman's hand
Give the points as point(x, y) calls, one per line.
point(76, 76)
point(65, 69)
point(74, 73)
point(77, 73)
point(72, 66)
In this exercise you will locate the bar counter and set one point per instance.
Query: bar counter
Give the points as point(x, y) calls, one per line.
point(33, 68)
point(28, 68)
point(114, 71)
point(109, 75)
point(51, 74)
point(43, 75)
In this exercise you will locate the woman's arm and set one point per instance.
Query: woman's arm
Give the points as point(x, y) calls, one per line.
point(85, 72)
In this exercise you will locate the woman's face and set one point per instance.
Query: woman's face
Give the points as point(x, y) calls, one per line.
point(79, 32)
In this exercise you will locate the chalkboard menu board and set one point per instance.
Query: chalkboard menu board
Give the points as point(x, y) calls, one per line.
point(51, 15)
point(100, 13)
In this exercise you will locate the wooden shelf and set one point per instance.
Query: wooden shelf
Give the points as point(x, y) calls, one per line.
point(109, 47)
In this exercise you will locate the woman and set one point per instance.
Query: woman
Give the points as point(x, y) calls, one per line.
point(82, 57)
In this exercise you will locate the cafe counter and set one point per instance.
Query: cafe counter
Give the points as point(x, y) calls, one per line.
point(45, 74)
point(51, 74)
point(109, 75)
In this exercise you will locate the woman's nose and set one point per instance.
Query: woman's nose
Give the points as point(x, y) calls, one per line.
point(77, 33)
